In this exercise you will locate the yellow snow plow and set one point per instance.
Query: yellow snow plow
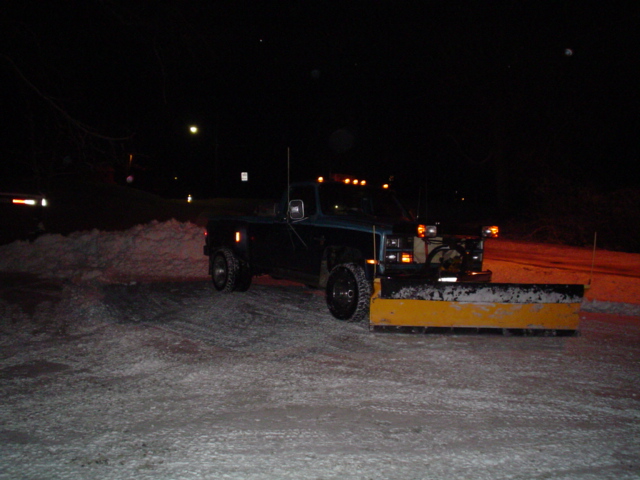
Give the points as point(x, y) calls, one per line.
point(530, 308)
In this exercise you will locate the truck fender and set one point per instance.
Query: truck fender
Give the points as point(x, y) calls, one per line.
point(336, 255)
point(232, 235)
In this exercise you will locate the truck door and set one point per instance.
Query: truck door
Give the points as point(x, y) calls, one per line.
point(305, 247)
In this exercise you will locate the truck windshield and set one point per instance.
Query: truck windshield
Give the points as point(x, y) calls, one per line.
point(341, 199)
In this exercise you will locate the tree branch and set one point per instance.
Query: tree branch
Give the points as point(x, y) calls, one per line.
point(78, 124)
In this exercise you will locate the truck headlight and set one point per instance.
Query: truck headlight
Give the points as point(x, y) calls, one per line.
point(394, 242)
point(428, 231)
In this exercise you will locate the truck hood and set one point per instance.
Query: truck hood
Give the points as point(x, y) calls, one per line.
point(365, 224)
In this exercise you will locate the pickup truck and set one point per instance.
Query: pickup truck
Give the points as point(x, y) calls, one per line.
point(340, 236)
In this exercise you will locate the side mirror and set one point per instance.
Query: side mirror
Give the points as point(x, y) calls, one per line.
point(296, 209)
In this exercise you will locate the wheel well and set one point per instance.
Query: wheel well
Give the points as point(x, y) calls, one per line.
point(337, 255)
point(228, 235)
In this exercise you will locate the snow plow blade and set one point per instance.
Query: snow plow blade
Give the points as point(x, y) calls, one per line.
point(410, 302)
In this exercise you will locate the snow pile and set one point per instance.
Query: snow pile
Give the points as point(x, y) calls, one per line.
point(155, 251)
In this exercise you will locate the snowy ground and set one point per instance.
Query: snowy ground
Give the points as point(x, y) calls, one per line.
point(119, 360)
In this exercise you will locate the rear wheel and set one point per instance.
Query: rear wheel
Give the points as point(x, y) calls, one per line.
point(348, 292)
point(228, 272)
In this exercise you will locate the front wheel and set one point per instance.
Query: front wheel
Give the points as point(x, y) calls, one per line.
point(348, 292)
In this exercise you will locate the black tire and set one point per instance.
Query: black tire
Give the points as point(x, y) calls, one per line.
point(226, 272)
point(348, 293)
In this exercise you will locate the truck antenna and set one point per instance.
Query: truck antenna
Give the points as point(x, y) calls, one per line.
point(426, 196)
point(420, 210)
point(593, 257)
point(288, 177)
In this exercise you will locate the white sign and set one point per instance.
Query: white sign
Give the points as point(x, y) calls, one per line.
point(244, 176)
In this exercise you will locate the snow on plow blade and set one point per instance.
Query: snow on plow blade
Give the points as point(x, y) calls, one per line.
point(413, 303)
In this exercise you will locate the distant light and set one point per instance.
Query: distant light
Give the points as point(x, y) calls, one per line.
point(189, 198)
point(347, 180)
point(29, 201)
point(244, 176)
point(386, 185)
point(130, 179)
point(23, 201)
point(355, 182)
point(568, 52)
point(320, 179)
point(193, 129)
point(363, 182)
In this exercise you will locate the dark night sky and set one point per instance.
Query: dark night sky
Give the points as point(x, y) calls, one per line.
point(487, 99)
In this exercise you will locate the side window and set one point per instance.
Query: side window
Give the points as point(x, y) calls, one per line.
point(308, 195)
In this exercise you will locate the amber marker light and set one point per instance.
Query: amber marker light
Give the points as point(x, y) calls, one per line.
point(406, 258)
point(490, 231)
point(320, 179)
point(237, 237)
point(386, 185)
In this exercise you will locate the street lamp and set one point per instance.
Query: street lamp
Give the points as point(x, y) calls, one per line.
point(193, 129)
